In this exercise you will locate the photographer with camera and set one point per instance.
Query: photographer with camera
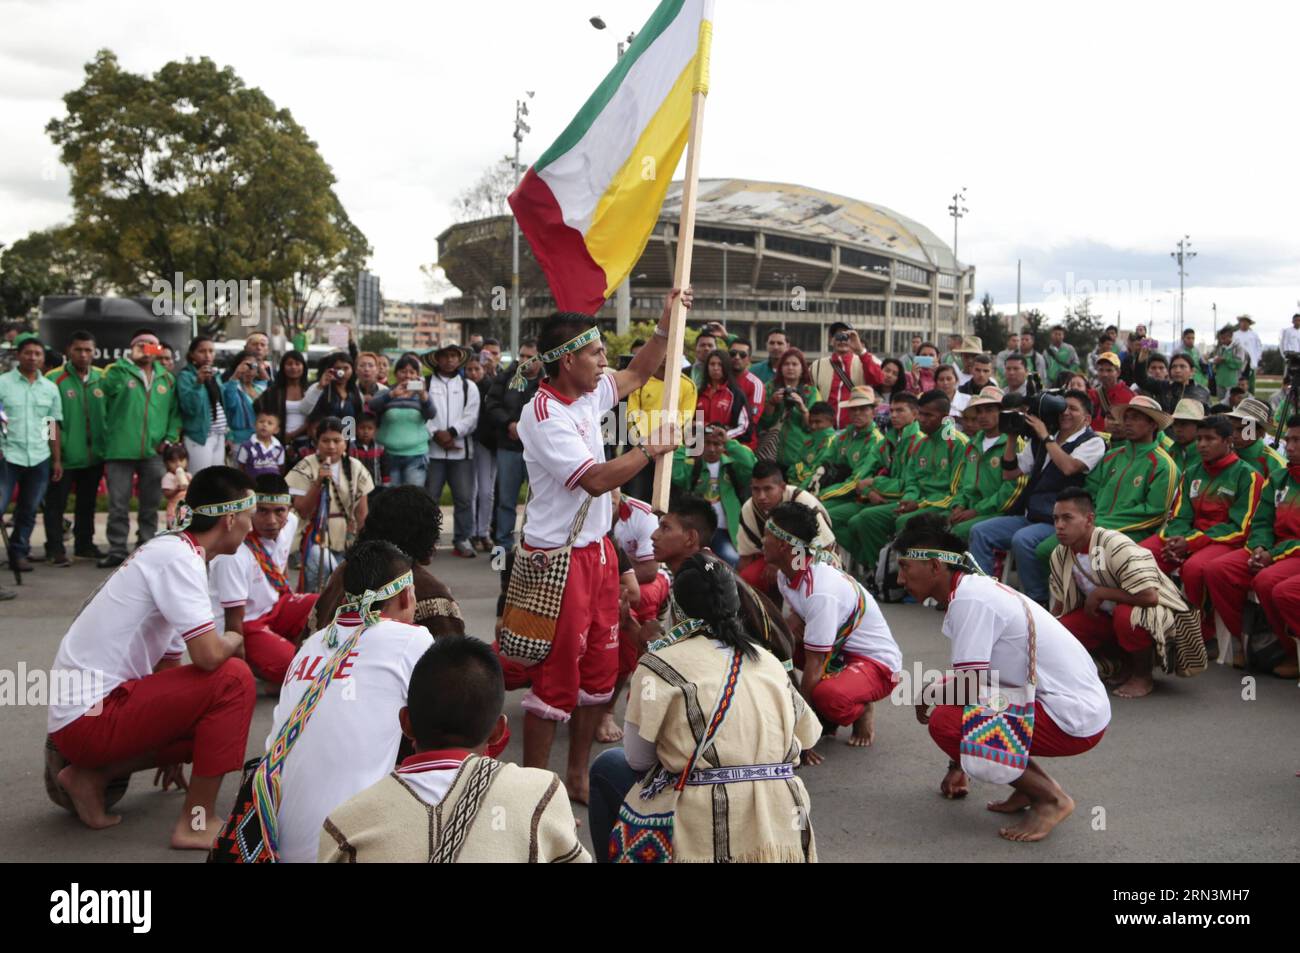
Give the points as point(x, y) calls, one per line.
point(849, 365)
point(1052, 461)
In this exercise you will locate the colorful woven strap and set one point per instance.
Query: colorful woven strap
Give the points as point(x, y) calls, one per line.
point(682, 630)
point(264, 562)
point(185, 513)
point(835, 661)
point(518, 382)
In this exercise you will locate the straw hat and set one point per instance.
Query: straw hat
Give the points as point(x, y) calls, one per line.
point(1149, 406)
point(430, 357)
point(970, 345)
point(1189, 409)
point(989, 395)
point(1252, 409)
point(861, 396)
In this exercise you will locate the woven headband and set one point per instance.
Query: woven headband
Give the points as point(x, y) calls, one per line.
point(786, 536)
point(963, 561)
point(575, 344)
point(682, 630)
point(275, 499)
point(362, 604)
point(185, 513)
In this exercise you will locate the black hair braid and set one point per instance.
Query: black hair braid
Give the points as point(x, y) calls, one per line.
point(705, 588)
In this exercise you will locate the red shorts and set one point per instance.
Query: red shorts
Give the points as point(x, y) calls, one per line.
point(270, 640)
point(1049, 741)
point(583, 664)
point(843, 697)
point(177, 715)
point(653, 596)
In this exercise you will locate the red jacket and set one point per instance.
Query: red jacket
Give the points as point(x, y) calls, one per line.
point(725, 405)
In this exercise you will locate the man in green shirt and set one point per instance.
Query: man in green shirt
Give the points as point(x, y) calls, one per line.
point(1061, 357)
point(1189, 350)
point(721, 476)
point(1229, 361)
point(29, 448)
point(142, 416)
point(1250, 422)
point(81, 389)
point(930, 479)
point(776, 346)
point(858, 452)
point(983, 493)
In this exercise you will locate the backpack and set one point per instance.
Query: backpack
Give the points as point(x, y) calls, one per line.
point(886, 576)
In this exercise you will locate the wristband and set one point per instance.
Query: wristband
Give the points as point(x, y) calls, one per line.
point(648, 455)
point(1049, 439)
point(1012, 464)
point(661, 333)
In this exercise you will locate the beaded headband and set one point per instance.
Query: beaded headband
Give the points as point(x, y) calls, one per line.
point(681, 630)
point(575, 344)
point(963, 561)
point(275, 499)
point(185, 513)
point(362, 604)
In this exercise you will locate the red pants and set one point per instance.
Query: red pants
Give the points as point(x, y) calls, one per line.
point(177, 715)
point(1096, 631)
point(583, 664)
point(1277, 586)
point(269, 640)
point(843, 697)
point(753, 574)
point(1049, 740)
point(653, 596)
point(1192, 573)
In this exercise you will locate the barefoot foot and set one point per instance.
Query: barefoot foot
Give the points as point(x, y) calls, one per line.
point(1012, 805)
point(185, 837)
point(1039, 820)
point(1135, 687)
point(864, 729)
point(608, 731)
point(955, 784)
point(578, 789)
point(85, 788)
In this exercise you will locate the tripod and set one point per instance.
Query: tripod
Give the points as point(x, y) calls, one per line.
point(1290, 401)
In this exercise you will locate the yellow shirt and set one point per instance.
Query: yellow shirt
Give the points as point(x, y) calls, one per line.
point(649, 397)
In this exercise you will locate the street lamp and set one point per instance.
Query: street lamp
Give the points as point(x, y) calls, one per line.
point(957, 210)
point(1181, 255)
point(521, 127)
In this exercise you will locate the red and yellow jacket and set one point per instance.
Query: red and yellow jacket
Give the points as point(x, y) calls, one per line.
point(1277, 521)
point(1216, 503)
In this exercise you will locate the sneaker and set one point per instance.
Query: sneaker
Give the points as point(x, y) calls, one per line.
point(59, 559)
point(464, 550)
point(111, 561)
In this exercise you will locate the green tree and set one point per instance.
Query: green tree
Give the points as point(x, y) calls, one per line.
point(1036, 322)
point(377, 341)
point(190, 171)
point(989, 325)
point(616, 345)
point(46, 262)
point(1082, 327)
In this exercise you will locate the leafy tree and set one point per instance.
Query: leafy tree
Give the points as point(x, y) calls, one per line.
point(1037, 323)
point(990, 325)
point(1271, 362)
point(192, 172)
point(46, 262)
point(377, 341)
point(1083, 328)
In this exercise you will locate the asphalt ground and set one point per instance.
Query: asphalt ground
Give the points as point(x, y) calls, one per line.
point(1204, 769)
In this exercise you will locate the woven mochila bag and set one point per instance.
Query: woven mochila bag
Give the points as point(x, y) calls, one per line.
point(534, 593)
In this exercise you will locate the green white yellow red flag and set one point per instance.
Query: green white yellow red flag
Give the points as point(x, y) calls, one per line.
point(589, 204)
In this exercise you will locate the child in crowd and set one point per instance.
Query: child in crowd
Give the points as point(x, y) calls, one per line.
point(821, 421)
point(366, 449)
point(176, 480)
point(262, 453)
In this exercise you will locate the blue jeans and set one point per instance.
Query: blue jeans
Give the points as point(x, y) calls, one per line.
point(31, 483)
point(408, 471)
point(611, 778)
point(460, 474)
point(722, 548)
point(511, 474)
point(1017, 535)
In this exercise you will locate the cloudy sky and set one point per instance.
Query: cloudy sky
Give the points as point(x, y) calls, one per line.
point(1090, 137)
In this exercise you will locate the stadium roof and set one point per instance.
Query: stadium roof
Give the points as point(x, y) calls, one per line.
point(811, 213)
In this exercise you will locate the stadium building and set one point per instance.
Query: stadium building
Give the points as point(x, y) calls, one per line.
point(767, 255)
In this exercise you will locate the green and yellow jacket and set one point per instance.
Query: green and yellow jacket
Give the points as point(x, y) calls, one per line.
point(815, 450)
point(1276, 526)
point(81, 432)
point(936, 462)
point(691, 475)
point(1216, 503)
point(898, 445)
point(1262, 457)
point(1134, 487)
point(983, 488)
point(862, 451)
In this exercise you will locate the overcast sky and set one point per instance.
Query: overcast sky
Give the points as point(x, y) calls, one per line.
point(1090, 136)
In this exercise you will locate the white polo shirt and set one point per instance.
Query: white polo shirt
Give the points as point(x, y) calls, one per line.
point(145, 612)
point(636, 523)
point(1089, 453)
point(834, 598)
point(562, 441)
point(987, 625)
point(237, 580)
point(352, 738)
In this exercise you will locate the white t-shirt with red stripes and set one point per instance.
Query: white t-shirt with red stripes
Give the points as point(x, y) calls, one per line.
point(989, 630)
point(237, 580)
point(636, 524)
point(833, 599)
point(562, 440)
point(144, 613)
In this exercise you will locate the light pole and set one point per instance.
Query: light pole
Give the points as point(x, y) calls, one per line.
point(623, 297)
point(957, 210)
point(521, 127)
point(1182, 255)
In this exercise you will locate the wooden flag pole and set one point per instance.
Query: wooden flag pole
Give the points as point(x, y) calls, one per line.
point(681, 279)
